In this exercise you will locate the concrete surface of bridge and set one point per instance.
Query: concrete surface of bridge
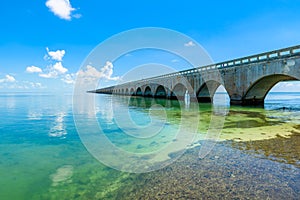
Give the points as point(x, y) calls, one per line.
point(247, 80)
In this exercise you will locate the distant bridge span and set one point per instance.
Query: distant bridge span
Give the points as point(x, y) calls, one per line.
point(247, 80)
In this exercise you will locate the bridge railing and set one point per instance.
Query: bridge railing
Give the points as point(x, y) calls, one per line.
point(276, 54)
point(272, 55)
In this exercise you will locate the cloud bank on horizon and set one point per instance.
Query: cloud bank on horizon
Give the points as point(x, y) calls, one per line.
point(56, 70)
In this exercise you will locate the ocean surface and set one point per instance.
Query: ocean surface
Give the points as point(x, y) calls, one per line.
point(255, 153)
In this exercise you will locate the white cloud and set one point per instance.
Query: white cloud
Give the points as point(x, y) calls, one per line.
point(69, 78)
point(39, 85)
point(36, 85)
point(91, 73)
point(59, 68)
point(61, 8)
point(77, 16)
point(33, 69)
point(8, 79)
point(174, 61)
point(33, 85)
point(290, 86)
point(107, 71)
point(54, 71)
point(51, 74)
point(56, 55)
point(189, 44)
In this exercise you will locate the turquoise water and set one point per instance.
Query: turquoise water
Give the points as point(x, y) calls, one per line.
point(42, 156)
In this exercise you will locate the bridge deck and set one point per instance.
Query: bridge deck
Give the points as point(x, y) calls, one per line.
point(269, 57)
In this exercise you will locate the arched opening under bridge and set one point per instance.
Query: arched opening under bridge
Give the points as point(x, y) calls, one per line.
point(285, 96)
point(178, 92)
point(139, 92)
point(221, 97)
point(131, 91)
point(258, 91)
point(148, 92)
point(160, 92)
point(207, 91)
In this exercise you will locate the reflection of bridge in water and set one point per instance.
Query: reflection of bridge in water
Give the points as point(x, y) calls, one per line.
point(247, 80)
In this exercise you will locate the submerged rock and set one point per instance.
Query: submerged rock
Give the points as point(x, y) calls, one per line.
point(62, 175)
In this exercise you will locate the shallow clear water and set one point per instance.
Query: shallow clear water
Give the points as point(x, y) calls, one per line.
point(42, 156)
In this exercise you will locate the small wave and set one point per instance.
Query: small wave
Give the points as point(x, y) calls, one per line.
point(34, 116)
point(287, 109)
point(57, 133)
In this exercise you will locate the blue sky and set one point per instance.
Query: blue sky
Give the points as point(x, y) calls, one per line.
point(43, 43)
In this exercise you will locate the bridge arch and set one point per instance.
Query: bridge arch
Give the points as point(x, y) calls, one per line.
point(131, 91)
point(257, 91)
point(139, 92)
point(207, 91)
point(160, 92)
point(148, 92)
point(126, 91)
point(178, 91)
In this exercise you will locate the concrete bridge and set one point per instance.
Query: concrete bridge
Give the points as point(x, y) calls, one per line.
point(247, 80)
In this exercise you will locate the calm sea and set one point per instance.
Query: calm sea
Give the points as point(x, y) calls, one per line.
point(257, 155)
